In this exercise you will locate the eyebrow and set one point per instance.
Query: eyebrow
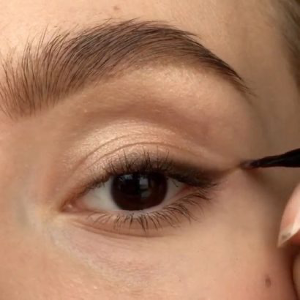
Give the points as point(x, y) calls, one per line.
point(51, 69)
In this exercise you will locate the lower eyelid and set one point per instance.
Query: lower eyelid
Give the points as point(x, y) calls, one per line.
point(169, 218)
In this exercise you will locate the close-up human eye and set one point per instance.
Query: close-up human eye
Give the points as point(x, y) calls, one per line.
point(150, 150)
point(142, 194)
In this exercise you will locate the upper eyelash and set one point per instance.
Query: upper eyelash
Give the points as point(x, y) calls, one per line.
point(153, 162)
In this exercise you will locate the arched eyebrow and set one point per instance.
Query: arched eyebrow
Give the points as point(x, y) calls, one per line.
point(49, 71)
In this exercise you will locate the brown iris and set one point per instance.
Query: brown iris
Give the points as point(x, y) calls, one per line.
point(138, 191)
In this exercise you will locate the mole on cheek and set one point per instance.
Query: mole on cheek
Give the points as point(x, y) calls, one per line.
point(268, 281)
point(116, 8)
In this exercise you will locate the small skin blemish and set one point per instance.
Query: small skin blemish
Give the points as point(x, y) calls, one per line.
point(268, 281)
point(116, 8)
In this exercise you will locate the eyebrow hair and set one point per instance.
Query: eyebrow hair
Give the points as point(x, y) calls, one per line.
point(49, 71)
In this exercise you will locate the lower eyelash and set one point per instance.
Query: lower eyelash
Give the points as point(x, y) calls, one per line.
point(167, 216)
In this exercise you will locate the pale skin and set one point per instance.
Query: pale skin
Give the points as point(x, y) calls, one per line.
point(231, 251)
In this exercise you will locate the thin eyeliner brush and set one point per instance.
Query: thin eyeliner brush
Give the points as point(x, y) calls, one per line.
point(289, 159)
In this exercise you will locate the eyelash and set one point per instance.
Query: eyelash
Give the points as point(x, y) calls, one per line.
point(201, 182)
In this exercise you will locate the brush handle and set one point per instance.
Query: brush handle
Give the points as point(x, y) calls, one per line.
point(289, 159)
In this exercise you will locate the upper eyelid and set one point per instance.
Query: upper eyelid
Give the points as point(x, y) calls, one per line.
point(149, 161)
point(146, 161)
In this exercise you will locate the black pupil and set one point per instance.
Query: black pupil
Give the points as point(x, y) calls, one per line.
point(138, 191)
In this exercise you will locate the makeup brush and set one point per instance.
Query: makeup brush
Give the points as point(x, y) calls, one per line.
point(289, 159)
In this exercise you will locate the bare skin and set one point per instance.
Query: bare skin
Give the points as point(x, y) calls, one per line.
point(231, 251)
point(290, 234)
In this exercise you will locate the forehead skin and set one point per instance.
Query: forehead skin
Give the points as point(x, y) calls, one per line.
point(242, 33)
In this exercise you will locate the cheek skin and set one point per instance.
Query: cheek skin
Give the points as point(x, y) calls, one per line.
point(231, 251)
